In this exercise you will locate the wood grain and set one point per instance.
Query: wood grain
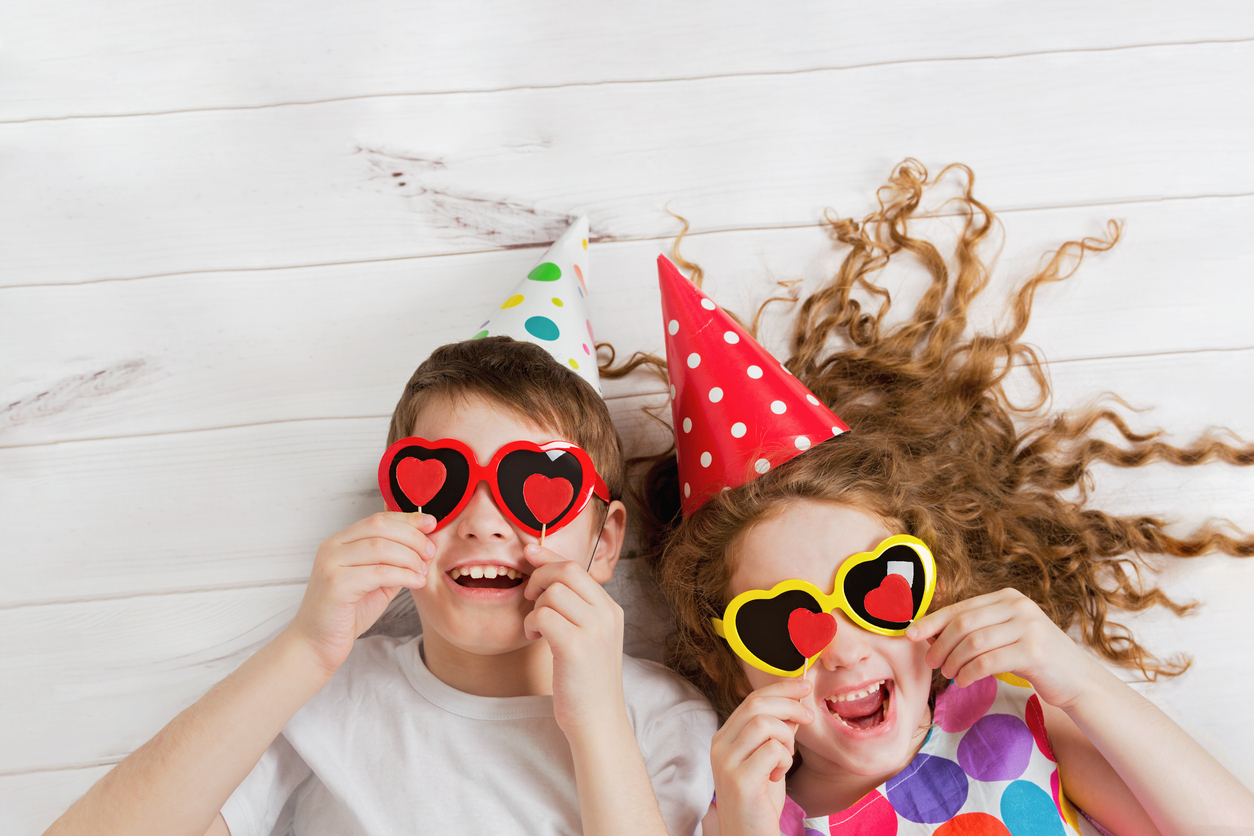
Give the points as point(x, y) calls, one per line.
point(286, 187)
point(229, 349)
point(143, 56)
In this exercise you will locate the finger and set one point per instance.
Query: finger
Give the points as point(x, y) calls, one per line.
point(786, 707)
point(538, 555)
point(568, 573)
point(360, 580)
point(407, 529)
point(756, 733)
point(771, 760)
point(1001, 660)
point(978, 642)
point(962, 625)
point(547, 623)
point(378, 550)
point(567, 602)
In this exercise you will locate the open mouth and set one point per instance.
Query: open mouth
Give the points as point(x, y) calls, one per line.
point(863, 709)
point(487, 576)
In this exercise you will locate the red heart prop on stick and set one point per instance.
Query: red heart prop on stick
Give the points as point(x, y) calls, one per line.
point(547, 498)
point(891, 600)
point(810, 631)
point(420, 479)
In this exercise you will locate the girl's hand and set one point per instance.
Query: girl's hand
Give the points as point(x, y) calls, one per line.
point(584, 628)
point(356, 574)
point(752, 752)
point(1004, 632)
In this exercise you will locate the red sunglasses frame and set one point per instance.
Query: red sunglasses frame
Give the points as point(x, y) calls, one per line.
point(590, 485)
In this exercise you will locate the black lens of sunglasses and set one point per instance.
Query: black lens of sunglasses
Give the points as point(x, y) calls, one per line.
point(535, 505)
point(872, 599)
point(456, 475)
point(762, 625)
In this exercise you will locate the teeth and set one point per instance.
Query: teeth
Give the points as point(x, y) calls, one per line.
point(857, 695)
point(485, 571)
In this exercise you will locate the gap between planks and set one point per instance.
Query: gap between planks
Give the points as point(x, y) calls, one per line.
point(606, 239)
point(672, 80)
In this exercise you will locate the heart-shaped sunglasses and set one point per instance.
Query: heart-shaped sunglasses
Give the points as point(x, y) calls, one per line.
point(779, 631)
point(539, 487)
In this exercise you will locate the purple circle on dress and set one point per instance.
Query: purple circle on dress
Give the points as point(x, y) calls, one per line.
point(997, 748)
point(930, 790)
point(957, 708)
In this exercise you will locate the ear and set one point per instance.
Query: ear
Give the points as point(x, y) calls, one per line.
point(611, 544)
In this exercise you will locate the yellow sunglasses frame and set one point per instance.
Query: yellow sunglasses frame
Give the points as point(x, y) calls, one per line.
point(835, 601)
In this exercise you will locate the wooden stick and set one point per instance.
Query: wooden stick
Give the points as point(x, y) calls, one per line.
point(542, 527)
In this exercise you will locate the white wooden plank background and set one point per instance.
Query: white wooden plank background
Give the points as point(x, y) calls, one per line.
point(212, 288)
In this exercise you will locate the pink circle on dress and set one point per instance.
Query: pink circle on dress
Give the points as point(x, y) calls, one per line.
point(872, 815)
point(1035, 718)
point(957, 709)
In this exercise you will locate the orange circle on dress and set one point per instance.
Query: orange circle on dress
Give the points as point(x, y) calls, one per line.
point(972, 824)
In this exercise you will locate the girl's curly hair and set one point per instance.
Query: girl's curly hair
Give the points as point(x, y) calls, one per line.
point(999, 491)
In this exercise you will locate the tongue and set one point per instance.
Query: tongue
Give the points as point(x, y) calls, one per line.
point(499, 582)
point(862, 707)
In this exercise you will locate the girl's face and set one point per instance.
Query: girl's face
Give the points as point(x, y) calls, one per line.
point(870, 691)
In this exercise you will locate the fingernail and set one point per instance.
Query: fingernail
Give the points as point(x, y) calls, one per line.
point(532, 549)
point(426, 520)
point(912, 631)
point(430, 549)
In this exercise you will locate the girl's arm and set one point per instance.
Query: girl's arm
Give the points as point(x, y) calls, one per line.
point(1136, 771)
point(1124, 760)
point(177, 782)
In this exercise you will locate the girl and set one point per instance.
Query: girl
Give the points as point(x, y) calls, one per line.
point(896, 723)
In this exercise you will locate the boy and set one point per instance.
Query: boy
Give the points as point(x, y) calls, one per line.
point(454, 731)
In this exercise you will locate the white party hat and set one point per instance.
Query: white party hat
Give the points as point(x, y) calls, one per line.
point(550, 306)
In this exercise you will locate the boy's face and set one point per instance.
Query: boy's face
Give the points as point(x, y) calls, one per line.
point(484, 615)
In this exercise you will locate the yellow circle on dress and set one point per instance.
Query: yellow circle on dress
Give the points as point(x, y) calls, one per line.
point(516, 299)
point(557, 301)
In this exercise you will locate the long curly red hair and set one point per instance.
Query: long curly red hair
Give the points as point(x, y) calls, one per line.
point(938, 448)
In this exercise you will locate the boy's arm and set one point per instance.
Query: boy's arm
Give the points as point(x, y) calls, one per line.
point(177, 782)
point(583, 626)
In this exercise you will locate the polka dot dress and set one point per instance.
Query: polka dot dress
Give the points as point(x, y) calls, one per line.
point(737, 411)
point(550, 306)
point(986, 769)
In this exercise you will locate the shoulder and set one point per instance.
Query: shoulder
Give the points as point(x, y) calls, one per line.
point(659, 699)
point(373, 667)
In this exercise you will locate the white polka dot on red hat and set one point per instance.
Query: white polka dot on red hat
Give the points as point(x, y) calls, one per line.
point(761, 465)
point(687, 490)
point(672, 391)
point(754, 372)
point(687, 425)
point(732, 337)
point(694, 360)
point(738, 430)
point(716, 395)
point(802, 443)
point(708, 305)
point(673, 327)
point(706, 458)
point(779, 407)
point(812, 399)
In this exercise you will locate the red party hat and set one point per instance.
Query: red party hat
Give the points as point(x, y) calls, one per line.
point(737, 411)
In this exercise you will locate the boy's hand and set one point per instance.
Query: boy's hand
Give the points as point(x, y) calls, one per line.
point(584, 628)
point(752, 752)
point(1004, 632)
point(356, 574)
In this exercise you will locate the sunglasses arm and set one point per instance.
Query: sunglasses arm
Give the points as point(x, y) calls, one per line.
point(718, 628)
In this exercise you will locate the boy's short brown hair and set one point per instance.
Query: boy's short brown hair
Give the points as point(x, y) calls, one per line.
point(524, 378)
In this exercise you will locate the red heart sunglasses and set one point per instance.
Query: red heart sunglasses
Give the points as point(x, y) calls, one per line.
point(539, 487)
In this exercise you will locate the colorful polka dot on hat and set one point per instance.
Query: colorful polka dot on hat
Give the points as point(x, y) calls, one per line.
point(737, 411)
point(550, 306)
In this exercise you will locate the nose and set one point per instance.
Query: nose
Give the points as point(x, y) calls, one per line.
point(481, 519)
point(848, 647)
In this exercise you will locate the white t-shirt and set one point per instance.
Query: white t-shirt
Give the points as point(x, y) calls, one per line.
point(386, 748)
